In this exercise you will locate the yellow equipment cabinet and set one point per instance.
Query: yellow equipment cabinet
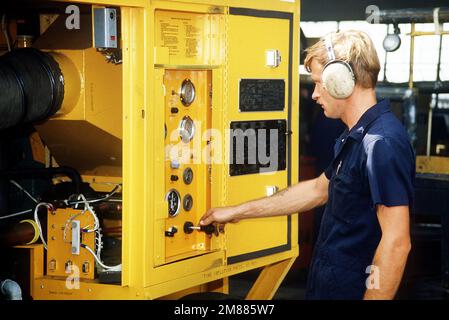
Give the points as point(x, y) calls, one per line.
point(200, 111)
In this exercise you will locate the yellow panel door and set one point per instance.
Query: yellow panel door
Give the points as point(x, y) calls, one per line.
point(259, 96)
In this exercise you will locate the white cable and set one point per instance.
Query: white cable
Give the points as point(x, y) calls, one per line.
point(89, 208)
point(16, 214)
point(96, 227)
point(114, 268)
point(24, 191)
point(36, 218)
point(97, 230)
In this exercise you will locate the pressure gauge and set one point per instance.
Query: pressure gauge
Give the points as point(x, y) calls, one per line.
point(187, 176)
point(187, 92)
point(187, 129)
point(187, 202)
point(174, 202)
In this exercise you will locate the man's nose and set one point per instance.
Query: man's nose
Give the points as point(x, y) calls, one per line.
point(315, 94)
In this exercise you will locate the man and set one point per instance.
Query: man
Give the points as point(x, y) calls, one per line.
point(368, 187)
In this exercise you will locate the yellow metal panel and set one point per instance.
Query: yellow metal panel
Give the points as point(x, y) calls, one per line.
point(189, 280)
point(55, 289)
point(261, 233)
point(59, 239)
point(249, 39)
point(280, 5)
point(96, 82)
point(186, 35)
point(137, 181)
point(208, 6)
point(161, 206)
point(86, 133)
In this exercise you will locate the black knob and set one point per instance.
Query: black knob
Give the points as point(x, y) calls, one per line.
point(209, 229)
point(174, 110)
point(188, 227)
point(174, 177)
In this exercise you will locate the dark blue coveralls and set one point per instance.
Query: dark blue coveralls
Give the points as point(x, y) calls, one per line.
point(374, 164)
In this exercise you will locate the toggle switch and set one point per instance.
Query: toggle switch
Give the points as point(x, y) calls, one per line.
point(174, 164)
point(171, 232)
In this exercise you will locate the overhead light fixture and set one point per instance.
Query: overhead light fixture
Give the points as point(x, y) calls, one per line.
point(392, 42)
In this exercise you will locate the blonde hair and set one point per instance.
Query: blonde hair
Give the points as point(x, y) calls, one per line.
point(354, 47)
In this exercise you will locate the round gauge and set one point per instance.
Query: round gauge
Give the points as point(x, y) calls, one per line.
point(187, 176)
point(187, 202)
point(187, 92)
point(174, 202)
point(186, 129)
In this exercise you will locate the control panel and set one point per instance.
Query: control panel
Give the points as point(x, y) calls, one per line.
point(187, 169)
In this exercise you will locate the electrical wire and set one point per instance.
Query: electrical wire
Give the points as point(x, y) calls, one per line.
point(24, 211)
point(16, 214)
point(87, 207)
point(96, 227)
point(109, 195)
point(23, 190)
point(36, 219)
point(109, 268)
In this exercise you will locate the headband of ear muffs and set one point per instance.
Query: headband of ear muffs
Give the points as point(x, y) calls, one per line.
point(338, 78)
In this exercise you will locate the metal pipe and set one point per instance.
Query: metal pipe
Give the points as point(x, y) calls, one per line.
point(11, 290)
point(412, 15)
point(433, 103)
point(424, 87)
point(412, 57)
point(24, 232)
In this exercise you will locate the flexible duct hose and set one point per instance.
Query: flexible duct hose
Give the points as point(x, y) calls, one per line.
point(31, 86)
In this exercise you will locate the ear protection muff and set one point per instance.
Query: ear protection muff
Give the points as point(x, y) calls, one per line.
point(338, 77)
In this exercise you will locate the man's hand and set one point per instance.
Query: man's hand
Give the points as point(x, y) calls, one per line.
point(220, 215)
